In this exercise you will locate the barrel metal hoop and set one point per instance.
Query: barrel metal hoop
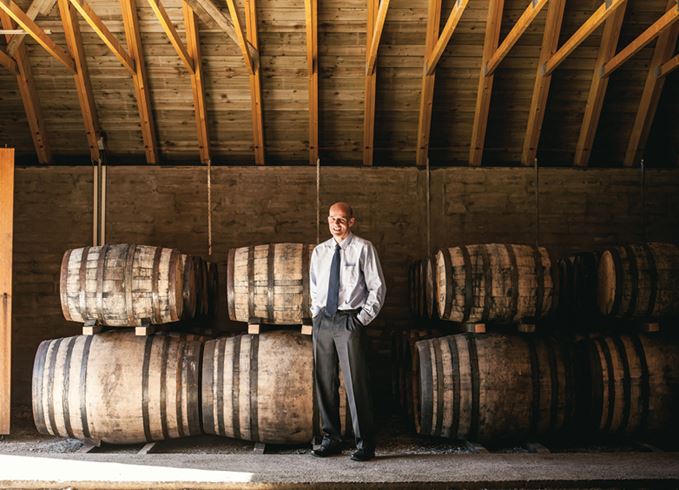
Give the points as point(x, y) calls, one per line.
point(476, 388)
point(179, 387)
point(220, 350)
point(127, 281)
point(145, 388)
point(468, 283)
point(101, 269)
point(38, 378)
point(426, 388)
point(438, 357)
point(535, 378)
point(597, 388)
point(611, 384)
point(619, 281)
point(254, 378)
point(251, 282)
point(236, 385)
point(554, 380)
point(455, 359)
point(230, 289)
point(67, 387)
point(194, 376)
point(653, 273)
point(634, 273)
point(63, 285)
point(163, 388)
point(155, 280)
point(449, 277)
point(271, 280)
point(626, 382)
point(540, 276)
point(175, 306)
point(644, 382)
point(50, 387)
point(488, 280)
point(82, 294)
point(83, 387)
point(515, 277)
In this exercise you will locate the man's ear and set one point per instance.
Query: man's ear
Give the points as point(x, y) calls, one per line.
point(352, 222)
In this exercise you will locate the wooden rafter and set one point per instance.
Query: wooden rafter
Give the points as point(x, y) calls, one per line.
point(104, 34)
point(37, 33)
point(141, 91)
point(428, 82)
point(376, 36)
point(193, 48)
point(485, 88)
point(242, 42)
point(255, 84)
point(536, 114)
point(514, 35)
point(209, 12)
point(29, 98)
point(451, 24)
point(669, 66)
point(650, 97)
point(81, 78)
point(172, 33)
point(37, 7)
point(311, 18)
point(666, 21)
point(597, 90)
point(7, 61)
point(608, 8)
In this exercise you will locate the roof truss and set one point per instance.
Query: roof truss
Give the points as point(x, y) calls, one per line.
point(172, 34)
point(8, 62)
point(37, 7)
point(311, 18)
point(255, 83)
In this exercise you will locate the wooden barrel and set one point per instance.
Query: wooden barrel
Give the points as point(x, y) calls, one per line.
point(269, 283)
point(189, 294)
point(120, 285)
point(429, 288)
point(202, 287)
point(118, 388)
point(493, 387)
point(213, 289)
point(639, 281)
point(630, 384)
point(260, 388)
point(412, 288)
point(578, 285)
point(494, 282)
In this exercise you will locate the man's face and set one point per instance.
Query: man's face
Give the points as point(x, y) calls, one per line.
point(339, 222)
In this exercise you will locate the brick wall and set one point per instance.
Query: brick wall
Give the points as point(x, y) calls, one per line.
point(168, 206)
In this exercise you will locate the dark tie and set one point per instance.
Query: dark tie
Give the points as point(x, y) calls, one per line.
point(333, 284)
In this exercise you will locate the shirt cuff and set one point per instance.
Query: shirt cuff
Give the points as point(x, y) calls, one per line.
point(363, 318)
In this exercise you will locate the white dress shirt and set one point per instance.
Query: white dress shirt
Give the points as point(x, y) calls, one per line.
point(361, 281)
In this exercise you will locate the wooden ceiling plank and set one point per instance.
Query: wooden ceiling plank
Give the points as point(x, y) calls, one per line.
point(538, 105)
point(664, 48)
point(428, 83)
point(515, 34)
point(9, 63)
point(36, 32)
point(311, 20)
point(36, 7)
point(193, 48)
point(669, 66)
point(172, 34)
point(661, 25)
point(370, 86)
point(485, 88)
point(242, 43)
point(446, 34)
point(104, 34)
point(29, 98)
point(81, 78)
point(607, 9)
point(598, 87)
point(141, 91)
point(376, 36)
point(255, 83)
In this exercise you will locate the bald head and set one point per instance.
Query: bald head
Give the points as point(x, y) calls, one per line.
point(340, 220)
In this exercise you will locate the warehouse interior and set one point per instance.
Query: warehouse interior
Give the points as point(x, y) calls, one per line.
point(205, 126)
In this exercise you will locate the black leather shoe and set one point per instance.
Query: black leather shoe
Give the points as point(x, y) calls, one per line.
point(327, 450)
point(363, 454)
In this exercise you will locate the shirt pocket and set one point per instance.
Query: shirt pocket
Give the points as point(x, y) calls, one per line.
point(350, 274)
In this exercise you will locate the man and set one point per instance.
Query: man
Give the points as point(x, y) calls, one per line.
point(347, 292)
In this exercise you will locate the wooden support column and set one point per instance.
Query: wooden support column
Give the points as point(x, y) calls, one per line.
point(255, 84)
point(597, 90)
point(664, 48)
point(538, 104)
point(485, 89)
point(81, 78)
point(7, 61)
point(148, 129)
point(193, 47)
point(29, 98)
point(311, 16)
point(668, 67)
point(6, 238)
point(370, 87)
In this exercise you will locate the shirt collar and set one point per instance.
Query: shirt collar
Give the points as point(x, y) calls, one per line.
point(345, 243)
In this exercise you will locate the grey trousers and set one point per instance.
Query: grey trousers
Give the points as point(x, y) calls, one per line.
point(342, 340)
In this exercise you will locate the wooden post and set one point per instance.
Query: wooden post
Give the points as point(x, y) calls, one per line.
point(6, 235)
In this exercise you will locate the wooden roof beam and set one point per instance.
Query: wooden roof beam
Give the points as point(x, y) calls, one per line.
point(428, 82)
point(446, 34)
point(669, 66)
point(255, 83)
point(193, 48)
point(536, 114)
point(658, 27)
point(29, 98)
point(311, 19)
point(376, 36)
point(242, 42)
point(485, 88)
point(81, 78)
point(104, 34)
point(372, 30)
point(586, 29)
point(210, 12)
point(8, 62)
point(133, 37)
point(514, 35)
point(37, 7)
point(172, 34)
point(597, 90)
point(28, 25)
point(650, 97)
